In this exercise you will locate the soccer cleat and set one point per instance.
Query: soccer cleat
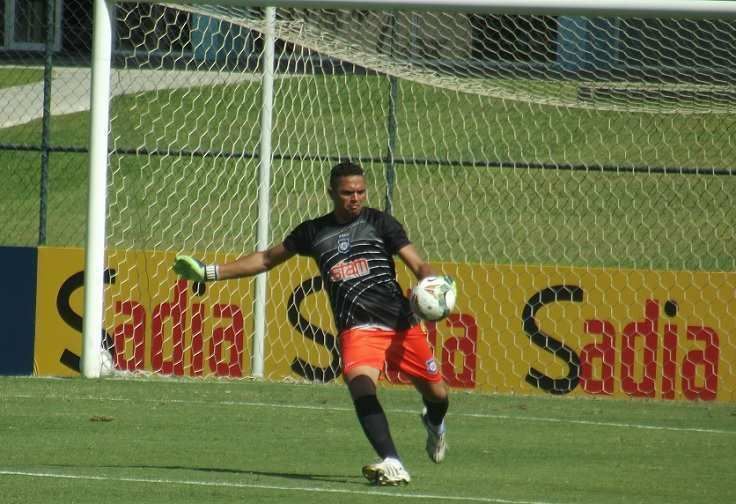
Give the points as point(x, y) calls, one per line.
point(436, 443)
point(389, 471)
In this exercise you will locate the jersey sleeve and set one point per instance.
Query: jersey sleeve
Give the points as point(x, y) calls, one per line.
point(298, 240)
point(394, 235)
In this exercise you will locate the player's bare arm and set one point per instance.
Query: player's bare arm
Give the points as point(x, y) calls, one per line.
point(410, 256)
point(195, 270)
point(255, 263)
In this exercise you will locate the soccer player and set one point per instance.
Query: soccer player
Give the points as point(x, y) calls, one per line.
point(354, 246)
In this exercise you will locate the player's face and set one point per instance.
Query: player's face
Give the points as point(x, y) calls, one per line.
point(348, 196)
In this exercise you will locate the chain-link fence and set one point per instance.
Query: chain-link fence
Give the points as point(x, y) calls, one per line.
point(45, 50)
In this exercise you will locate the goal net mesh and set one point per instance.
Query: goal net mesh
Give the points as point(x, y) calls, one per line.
point(575, 174)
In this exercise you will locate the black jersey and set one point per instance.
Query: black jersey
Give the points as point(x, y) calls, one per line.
point(357, 267)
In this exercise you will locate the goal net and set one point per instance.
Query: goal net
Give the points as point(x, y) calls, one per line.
point(575, 174)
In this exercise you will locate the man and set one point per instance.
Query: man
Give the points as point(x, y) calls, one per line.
point(354, 247)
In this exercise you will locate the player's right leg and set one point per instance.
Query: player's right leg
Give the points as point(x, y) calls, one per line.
point(363, 355)
point(390, 471)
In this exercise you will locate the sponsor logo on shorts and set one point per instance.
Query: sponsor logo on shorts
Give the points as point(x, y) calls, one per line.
point(343, 243)
point(431, 366)
point(346, 270)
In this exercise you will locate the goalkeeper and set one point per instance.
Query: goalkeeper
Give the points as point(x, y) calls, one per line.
point(354, 247)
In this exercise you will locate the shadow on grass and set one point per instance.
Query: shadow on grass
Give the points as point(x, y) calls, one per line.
point(328, 478)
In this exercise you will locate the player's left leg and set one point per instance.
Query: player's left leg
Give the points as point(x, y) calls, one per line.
point(416, 359)
point(436, 404)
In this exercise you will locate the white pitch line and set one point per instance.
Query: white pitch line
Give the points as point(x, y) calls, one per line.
point(224, 484)
point(495, 417)
point(515, 418)
point(602, 424)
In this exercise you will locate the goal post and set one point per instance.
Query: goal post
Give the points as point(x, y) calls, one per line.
point(569, 163)
point(97, 201)
point(264, 200)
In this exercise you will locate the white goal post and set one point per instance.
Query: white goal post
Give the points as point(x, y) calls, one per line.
point(578, 151)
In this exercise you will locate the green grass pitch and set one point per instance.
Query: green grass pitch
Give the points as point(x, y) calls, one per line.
point(168, 441)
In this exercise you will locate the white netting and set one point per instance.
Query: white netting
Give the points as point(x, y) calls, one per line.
point(585, 62)
point(521, 153)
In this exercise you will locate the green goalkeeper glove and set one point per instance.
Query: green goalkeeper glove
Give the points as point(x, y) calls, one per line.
point(193, 269)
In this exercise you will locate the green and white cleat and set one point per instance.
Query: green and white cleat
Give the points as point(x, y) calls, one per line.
point(388, 472)
point(436, 442)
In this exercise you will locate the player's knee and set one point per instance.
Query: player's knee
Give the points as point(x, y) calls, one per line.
point(437, 392)
point(431, 391)
point(361, 386)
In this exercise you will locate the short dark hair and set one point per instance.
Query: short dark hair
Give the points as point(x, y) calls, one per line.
point(344, 168)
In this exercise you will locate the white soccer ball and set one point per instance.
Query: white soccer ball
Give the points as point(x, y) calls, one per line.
point(433, 298)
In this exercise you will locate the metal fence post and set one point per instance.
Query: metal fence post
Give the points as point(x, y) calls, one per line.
point(43, 195)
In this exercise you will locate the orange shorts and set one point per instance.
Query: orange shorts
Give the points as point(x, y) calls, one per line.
point(407, 351)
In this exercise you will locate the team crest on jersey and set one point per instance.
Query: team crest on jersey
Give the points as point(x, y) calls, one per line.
point(431, 366)
point(343, 243)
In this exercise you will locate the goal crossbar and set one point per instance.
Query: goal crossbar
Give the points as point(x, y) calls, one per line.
point(645, 8)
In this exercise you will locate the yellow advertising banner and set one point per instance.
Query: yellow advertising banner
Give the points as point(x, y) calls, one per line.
point(515, 329)
point(59, 303)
